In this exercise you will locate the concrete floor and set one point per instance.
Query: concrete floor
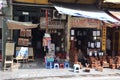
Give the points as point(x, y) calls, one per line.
point(36, 71)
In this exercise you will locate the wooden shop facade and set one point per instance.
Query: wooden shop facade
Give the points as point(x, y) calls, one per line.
point(65, 33)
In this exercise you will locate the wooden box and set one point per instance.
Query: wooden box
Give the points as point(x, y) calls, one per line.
point(20, 41)
point(113, 66)
point(105, 64)
point(22, 32)
point(99, 68)
point(87, 70)
point(26, 42)
point(111, 61)
point(28, 33)
point(117, 66)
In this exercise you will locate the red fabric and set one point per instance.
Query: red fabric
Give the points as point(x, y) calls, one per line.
point(45, 41)
point(61, 55)
point(61, 65)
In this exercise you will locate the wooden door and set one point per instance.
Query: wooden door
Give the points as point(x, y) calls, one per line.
point(116, 43)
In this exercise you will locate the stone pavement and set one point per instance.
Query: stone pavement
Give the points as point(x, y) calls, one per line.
point(36, 71)
point(59, 74)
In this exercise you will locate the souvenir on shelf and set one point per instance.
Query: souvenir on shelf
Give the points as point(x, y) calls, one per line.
point(26, 41)
point(98, 32)
point(98, 44)
point(28, 33)
point(23, 45)
point(20, 41)
point(89, 44)
point(92, 45)
point(72, 32)
point(94, 33)
point(22, 32)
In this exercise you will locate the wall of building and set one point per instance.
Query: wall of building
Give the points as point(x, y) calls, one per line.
point(5, 32)
point(33, 1)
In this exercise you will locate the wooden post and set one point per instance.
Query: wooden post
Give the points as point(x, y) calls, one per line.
point(68, 34)
point(11, 13)
point(104, 30)
point(46, 12)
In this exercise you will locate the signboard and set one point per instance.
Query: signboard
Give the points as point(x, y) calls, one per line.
point(104, 38)
point(22, 53)
point(9, 48)
point(33, 1)
point(84, 22)
point(51, 24)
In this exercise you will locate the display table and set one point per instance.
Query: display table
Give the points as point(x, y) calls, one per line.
point(21, 60)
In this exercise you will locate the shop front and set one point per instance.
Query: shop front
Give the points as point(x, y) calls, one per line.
point(86, 35)
point(29, 32)
point(93, 36)
point(50, 39)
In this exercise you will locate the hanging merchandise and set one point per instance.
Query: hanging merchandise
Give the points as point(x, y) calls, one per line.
point(46, 42)
point(52, 49)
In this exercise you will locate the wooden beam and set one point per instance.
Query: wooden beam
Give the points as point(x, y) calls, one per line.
point(76, 1)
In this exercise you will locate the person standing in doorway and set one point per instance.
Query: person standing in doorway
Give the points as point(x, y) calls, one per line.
point(81, 57)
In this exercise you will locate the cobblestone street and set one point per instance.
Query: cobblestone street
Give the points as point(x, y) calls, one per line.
point(59, 74)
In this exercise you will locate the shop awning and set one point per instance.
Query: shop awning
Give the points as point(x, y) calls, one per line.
point(87, 11)
point(20, 25)
point(114, 13)
point(112, 1)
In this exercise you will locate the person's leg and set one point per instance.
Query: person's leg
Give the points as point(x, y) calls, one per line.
point(83, 62)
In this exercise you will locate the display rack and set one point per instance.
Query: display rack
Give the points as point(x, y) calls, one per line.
point(24, 50)
point(94, 45)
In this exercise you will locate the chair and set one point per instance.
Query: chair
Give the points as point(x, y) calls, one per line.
point(61, 65)
point(48, 65)
point(56, 65)
point(66, 65)
point(76, 67)
point(9, 52)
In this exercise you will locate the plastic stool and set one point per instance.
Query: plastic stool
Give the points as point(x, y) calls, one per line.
point(61, 65)
point(66, 65)
point(56, 66)
point(48, 65)
point(76, 67)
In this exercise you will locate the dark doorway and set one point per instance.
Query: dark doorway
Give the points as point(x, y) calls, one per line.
point(82, 36)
